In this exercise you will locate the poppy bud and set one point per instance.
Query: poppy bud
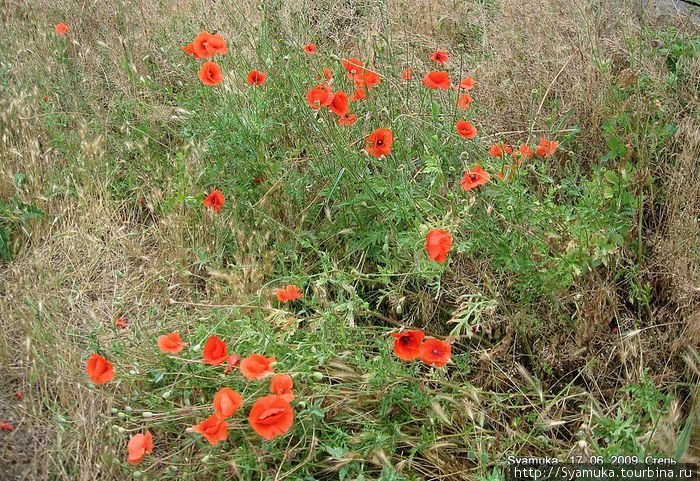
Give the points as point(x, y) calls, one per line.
point(114, 410)
point(121, 429)
point(121, 415)
point(316, 376)
point(128, 409)
point(165, 395)
point(147, 414)
point(206, 459)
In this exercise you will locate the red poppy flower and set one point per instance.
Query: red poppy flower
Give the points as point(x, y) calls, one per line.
point(256, 78)
point(406, 343)
point(215, 351)
point(138, 446)
point(546, 147)
point(358, 75)
point(189, 49)
point(438, 243)
point(200, 46)
point(214, 201)
point(61, 28)
point(464, 101)
point(319, 96)
point(379, 142)
point(233, 361)
point(474, 178)
point(282, 384)
point(213, 428)
point(6, 426)
point(99, 369)
point(310, 48)
point(271, 416)
point(18, 395)
point(440, 56)
point(435, 353)
point(407, 74)
point(226, 402)
point(347, 119)
point(526, 151)
point(289, 293)
point(366, 79)
point(170, 343)
point(257, 366)
point(437, 80)
point(496, 151)
point(207, 45)
point(467, 83)
point(217, 43)
point(327, 74)
point(340, 104)
point(359, 94)
point(353, 66)
point(466, 129)
point(120, 323)
point(210, 74)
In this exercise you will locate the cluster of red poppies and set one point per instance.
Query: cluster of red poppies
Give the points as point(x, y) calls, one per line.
point(438, 242)
point(545, 148)
point(207, 45)
point(379, 143)
point(338, 102)
point(270, 416)
point(412, 344)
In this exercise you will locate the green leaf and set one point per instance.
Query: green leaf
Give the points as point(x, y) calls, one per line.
point(5, 247)
point(29, 212)
point(336, 452)
point(684, 439)
point(157, 376)
point(18, 180)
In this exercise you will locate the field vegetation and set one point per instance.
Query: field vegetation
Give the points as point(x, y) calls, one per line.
point(142, 195)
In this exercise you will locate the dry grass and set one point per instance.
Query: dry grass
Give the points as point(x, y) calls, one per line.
point(94, 258)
